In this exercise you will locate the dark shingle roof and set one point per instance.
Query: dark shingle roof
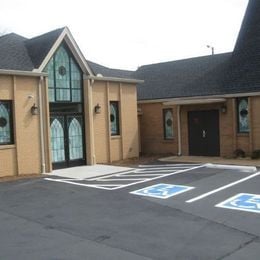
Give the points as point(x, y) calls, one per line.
point(13, 53)
point(182, 78)
point(243, 74)
point(237, 72)
point(107, 72)
point(39, 46)
point(19, 53)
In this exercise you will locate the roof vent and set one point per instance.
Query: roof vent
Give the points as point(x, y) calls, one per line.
point(99, 75)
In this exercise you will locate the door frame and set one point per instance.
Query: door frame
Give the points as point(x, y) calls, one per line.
point(70, 163)
point(215, 115)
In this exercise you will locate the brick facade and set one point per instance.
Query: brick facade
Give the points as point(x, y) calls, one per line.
point(151, 128)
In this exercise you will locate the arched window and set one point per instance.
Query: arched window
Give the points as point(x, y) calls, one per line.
point(242, 115)
point(64, 77)
point(75, 138)
point(168, 123)
point(6, 135)
point(57, 140)
point(114, 118)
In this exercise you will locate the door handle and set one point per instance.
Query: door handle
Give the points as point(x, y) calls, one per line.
point(204, 133)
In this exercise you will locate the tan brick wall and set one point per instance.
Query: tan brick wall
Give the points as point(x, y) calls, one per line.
point(129, 129)
point(24, 156)
point(255, 124)
point(27, 126)
point(109, 148)
point(151, 127)
point(152, 133)
point(100, 123)
point(8, 162)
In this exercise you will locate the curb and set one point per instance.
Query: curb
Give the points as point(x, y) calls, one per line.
point(231, 167)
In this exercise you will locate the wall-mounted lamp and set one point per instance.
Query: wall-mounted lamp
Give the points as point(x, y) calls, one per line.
point(224, 109)
point(34, 110)
point(97, 109)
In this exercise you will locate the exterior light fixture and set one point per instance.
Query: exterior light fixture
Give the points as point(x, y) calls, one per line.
point(97, 109)
point(212, 49)
point(34, 110)
point(224, 109)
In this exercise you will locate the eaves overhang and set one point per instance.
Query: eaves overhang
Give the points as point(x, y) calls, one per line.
point(114, 79)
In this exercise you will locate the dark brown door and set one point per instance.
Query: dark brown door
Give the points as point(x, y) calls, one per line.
point(204, 133)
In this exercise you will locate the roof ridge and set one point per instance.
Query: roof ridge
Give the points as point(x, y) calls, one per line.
point(52, 31)
point(186, 59)
point(12, 33)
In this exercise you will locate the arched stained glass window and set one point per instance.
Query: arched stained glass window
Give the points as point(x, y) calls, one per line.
point(64, 77)
point(168, 123)
point(57, 140)
point(114, 118)
point(75, 138)
point(242, 115)
point(5, 123)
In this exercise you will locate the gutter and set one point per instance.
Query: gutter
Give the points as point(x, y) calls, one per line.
point(43, 159)
point(197, 98)
point(22, 73)
point(115, 79)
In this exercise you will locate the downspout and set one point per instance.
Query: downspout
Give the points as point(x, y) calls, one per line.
point(179, 129)
point(43, 162)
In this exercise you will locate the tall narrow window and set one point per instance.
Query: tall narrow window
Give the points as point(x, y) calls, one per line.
point(168, 123)
point(114, 118)
point(6, 124)
point(242, 115)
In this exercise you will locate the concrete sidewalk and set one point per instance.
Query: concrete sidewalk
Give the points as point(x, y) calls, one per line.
point(214, 160)
point(83, 172)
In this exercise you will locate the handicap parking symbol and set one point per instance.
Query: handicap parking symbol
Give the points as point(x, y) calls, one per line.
point(162, 190)
point(242, 201)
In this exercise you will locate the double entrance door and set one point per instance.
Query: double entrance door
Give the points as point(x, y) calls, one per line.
point(204, 133)
point(67, 140)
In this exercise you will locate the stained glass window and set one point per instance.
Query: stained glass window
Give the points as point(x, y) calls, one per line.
point(57, 139)
point(6, 136)
point(114, 118)
point(64, 77)
point(75, 138)
point(242, 115)
point(168, 123)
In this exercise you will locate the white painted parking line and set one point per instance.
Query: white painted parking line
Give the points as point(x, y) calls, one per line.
point(118, 180)
point(223, 188)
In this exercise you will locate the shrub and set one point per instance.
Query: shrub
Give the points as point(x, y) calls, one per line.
point(255, 154)
point(239, 153)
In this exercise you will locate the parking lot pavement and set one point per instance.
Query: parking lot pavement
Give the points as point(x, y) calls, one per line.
point(55, 220)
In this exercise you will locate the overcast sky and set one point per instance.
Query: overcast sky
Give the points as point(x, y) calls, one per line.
point(129, 33)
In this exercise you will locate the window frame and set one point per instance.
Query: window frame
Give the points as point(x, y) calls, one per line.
point(10, 107)
point(165, 110)
point(117, 118)
point(238, 100)
point(71, 88)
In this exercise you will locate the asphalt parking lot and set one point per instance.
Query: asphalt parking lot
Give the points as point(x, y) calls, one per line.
point(153, 212)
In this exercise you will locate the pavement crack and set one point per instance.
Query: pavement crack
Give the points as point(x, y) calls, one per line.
point(239, 248)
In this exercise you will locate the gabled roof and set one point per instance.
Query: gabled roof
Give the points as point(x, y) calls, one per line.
point(13, 53)
point(19, 53)
point(243, 74)
point(38, 47)
point(230, 73)
point(107, 72)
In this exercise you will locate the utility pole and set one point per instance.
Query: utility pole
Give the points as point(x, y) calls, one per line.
point(212, 49)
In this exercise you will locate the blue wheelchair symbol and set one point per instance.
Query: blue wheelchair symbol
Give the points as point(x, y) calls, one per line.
point(162, 190)
point(243, 201)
